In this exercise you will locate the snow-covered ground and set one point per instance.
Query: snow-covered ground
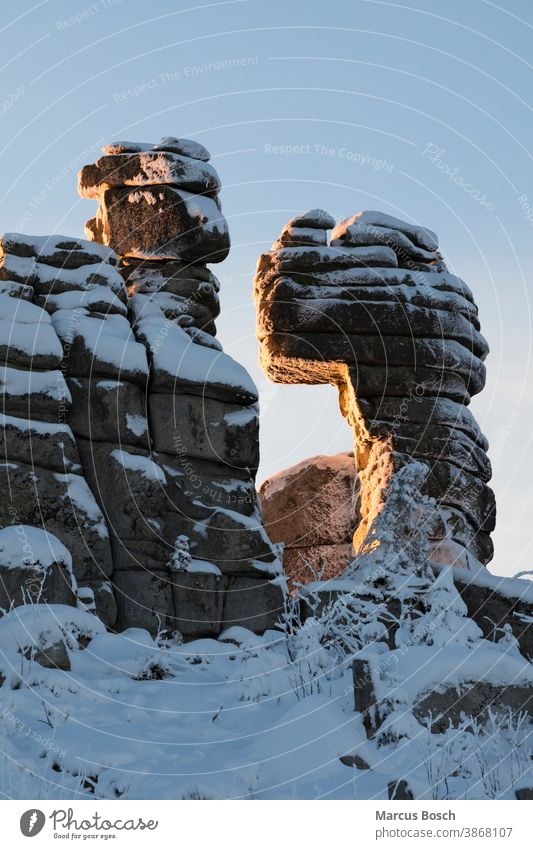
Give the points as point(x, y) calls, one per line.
point(269, 717)
point(238, 717)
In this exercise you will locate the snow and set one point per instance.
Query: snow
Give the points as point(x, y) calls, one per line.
point(28, 270)
point(174, 353)
point(23, 312)
point(155, 305)
point(205, 211)
point(511, 588)
point(140, 196)
point(109, 385)
point(443, 281)
point(304, 233)
point(241, 417)
point(47, 245)
point(238, 717)
point(138, 463)
point(415, 671)
point(317, 218)
point(33, 340)
point(26, 547)
point(203, 567)
point(81, 497)
point(311, 256)
point(42, 428)
point(185, 147)
point(44, 625)
point(249, 716)
point(361, 234)
point(52, 384)
point(421, 235)
point(137, 424)
point(109, 339)
point(12, 289)
point(200, 337)
point(98, 295)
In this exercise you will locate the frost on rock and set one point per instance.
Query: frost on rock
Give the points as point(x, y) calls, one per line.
point(409, 630)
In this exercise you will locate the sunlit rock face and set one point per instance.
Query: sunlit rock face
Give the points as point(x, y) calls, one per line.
point(157, 201)
point(373, 310)
point(312, 508)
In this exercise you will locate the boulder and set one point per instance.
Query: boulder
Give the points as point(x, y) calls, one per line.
point(148, 168)
point(233, 542)
point(102, 346)
point(312, 503)
point(35, 568)
point(58, 251)
point(377, 314)
point(447, 707)
point(164, 222)
point(54, 656)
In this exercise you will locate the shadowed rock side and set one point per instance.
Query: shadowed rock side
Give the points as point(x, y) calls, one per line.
point(130, 439)
point(62, 303)
point(375, 312)
point(193, 538)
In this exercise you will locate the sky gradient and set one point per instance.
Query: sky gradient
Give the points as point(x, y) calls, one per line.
point(418, 109)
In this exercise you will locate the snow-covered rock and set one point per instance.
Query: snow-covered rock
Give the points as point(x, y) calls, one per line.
point(376, 313)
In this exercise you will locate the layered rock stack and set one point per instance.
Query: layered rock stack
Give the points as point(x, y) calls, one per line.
point(53, 294)
point(193, 540)
point(375, 312)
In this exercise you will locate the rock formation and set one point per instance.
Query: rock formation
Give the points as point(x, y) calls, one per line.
point(130, 437)
point(311, 508)
point(62, 303)
point(376, 313)
point(158, 208)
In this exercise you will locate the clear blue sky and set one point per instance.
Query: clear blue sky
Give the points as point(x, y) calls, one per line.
point(421, 109)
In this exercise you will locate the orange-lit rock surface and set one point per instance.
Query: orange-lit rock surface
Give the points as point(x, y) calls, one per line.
point(312, 509)
point(374, 311)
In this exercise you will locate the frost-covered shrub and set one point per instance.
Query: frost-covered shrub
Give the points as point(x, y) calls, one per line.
point(181, 557)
